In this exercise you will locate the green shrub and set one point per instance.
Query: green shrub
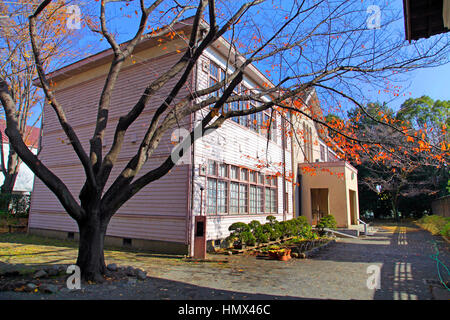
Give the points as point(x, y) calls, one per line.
point(260, 235)
point(446, 230)
point(246, 237)
point(238, 227)
point(271, 219)
point(436, 224)
point(272, 231)
point(327, 221)
point(254, 224)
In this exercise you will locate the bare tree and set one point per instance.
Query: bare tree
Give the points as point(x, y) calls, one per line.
point(17, 67)
point(328, 45)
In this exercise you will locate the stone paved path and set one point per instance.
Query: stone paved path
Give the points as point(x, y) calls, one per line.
point(403, 254)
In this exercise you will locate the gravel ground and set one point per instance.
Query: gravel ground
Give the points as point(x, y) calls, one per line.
point(340, 271)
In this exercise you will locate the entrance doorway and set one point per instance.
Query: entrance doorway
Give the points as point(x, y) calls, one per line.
point(353, 217)
point(319, 204)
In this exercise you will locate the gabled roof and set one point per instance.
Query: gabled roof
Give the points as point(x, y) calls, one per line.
point(31, 136)
point(221, 45)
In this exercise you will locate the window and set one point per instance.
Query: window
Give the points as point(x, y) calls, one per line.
point(216, 74)
point(234, 173)
point(268, 125)
point(222, 196)
point(234, 190)
point(271, 201)
point(211, 196)
point(253, 199)
point(223, 170)
point(244, 174)
point(261, 178)
point(270, 180)
point(243, 198)
point(253, 122)
point(253, 176)
point(235, 106)
point(244, 105)
point(307, 138)
point(212, 170)
point(234, 197)
point(322, 153)
point(260, 200)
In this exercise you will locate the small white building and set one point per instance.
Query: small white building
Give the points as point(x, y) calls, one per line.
point(25, 177)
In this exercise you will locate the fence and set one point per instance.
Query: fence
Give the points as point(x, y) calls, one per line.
point(441, 206)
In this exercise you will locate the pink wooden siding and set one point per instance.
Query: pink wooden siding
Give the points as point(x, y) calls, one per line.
point(161, 211)
point(236, 145)
point(158, 211)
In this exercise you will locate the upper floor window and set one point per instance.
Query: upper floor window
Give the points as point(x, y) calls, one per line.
point(258, 122)
point(216, 74)
point(322, 153)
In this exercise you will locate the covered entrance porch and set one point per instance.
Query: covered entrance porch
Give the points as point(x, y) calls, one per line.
point(329, 188)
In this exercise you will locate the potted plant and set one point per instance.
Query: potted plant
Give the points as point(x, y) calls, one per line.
point(282, 254)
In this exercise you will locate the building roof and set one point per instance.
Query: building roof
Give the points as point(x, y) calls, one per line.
point(425, 18)
point(31, 137)
point(221, 45)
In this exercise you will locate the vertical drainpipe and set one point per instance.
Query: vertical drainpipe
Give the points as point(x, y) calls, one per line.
point(192, 167)
point(283, 146)
point(294, 172)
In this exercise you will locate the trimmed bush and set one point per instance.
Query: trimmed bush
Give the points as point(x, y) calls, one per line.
point(236, 229)
point(271, 219)
point(247, 238)
point(254, 224)
point(260, 235)
point(327, 221)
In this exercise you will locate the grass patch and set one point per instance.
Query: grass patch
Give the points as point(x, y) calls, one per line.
point(437, 225)
point(27, 253)
point(25, 238)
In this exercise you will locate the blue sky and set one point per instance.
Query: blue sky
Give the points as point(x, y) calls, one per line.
point(434, 82)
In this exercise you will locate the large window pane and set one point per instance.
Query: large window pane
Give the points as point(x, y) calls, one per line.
point(222, 196)
point(244, 174)
point(260, 200)
point(253, 176)
point(223, 170)
point(211, 196)
point(234, 172)
point(271, 200)
point(243, 197)
point(234, 197)
point(212, 168)
point(253, 199)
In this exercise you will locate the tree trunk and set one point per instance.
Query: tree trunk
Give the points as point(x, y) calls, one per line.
point(394, 208)
point(91, 258)
point(8, 183)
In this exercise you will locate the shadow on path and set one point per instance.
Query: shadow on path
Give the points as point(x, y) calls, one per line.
point(405, 256)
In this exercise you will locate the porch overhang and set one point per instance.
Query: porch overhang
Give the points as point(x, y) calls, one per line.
point(329, 188)
point(425, 18)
